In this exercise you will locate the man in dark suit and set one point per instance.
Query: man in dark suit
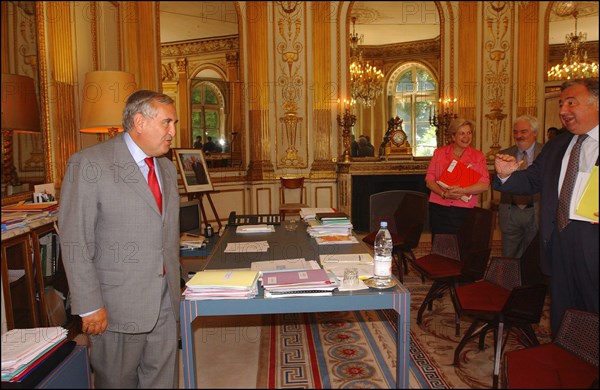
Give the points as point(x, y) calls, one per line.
point(569, 254)
point(119, 225)
point(518, 215)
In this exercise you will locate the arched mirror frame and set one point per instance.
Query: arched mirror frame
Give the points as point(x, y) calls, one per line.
point(44, 107)
point(439, 74)
point(234, 97)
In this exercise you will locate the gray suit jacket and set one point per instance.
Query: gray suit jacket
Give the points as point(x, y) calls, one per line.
point(507, 198)
point(113, 238)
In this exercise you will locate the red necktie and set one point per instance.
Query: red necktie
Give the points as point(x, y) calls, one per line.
point(153, 183)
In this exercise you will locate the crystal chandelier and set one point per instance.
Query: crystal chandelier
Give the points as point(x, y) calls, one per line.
point(574, 64)
point(366, 81)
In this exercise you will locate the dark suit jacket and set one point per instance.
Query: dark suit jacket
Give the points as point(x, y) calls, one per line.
point(506, 198)
point(542, 176)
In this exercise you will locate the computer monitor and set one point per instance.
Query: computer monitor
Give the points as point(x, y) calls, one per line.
point(189, 217)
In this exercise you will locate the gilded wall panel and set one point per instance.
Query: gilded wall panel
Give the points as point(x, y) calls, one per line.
point(290, 77)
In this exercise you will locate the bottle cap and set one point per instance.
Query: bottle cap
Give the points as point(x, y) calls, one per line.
point(383, 224)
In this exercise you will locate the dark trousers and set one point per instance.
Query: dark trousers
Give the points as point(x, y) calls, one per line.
point(446, 219)
point(574, 279)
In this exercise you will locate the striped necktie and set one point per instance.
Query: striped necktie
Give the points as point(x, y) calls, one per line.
point(566, 191)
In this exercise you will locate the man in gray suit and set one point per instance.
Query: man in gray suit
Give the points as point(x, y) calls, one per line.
point(518, 215)
point(120, 246)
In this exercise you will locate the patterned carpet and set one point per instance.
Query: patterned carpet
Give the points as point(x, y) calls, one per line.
point(357, 349)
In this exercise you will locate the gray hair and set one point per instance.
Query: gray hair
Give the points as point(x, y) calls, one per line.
point(591, 84)
point(142, 101)
point(459, 122)
point(533, 122)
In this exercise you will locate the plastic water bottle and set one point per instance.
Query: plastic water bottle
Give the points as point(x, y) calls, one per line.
point(383, 256)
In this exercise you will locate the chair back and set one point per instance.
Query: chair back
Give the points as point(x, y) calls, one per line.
point(383, 206)
point(410, 217)
point(578, 334)
point(292, 184)
point(475, 242)
point(525, 304)
point(504, 272)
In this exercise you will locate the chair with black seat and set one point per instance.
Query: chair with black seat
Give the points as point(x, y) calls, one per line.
point(457, 258)
point(285, 207)
point(499, 302)
point(570, 361)
point(405, 223)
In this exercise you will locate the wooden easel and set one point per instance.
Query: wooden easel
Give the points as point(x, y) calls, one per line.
point(200, 195)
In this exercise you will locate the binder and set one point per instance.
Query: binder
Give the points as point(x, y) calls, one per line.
point(588, 202)
point(458, 174)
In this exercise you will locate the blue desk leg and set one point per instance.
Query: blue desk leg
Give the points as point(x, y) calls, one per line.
point(187, 344)
point(403, 341)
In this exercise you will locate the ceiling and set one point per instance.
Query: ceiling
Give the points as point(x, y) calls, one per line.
point(380, 22)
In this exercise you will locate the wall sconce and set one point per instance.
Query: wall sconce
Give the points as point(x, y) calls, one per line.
point(104, 95)
point(20, 114)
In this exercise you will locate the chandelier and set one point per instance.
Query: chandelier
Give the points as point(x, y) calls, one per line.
point(366, 81)
point(575, 62)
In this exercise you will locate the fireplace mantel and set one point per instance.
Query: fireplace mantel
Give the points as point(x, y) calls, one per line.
point(357, 180)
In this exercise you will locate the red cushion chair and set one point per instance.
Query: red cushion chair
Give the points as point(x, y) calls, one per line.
point(500, 303)
point(457, 258)
point(569, 362)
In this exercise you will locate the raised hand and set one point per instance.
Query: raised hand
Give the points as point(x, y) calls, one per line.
point(505, 165)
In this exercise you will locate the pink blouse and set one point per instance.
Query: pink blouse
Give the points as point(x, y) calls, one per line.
point(442, 157)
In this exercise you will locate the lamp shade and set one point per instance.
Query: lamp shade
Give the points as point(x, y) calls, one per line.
point(104, 95)
point(20, 112)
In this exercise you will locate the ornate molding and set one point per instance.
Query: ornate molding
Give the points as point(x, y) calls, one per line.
point(384, 167)
point(429, 46)
point(200, 46)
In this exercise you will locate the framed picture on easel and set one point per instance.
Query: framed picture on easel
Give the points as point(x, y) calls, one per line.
point(194, 172)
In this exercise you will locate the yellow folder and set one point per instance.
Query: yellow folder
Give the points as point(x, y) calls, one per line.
point(588, 203)
point(227, 278)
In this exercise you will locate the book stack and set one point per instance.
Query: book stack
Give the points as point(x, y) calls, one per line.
point(294, 283)
point(14, 220)
point(222, 284)
point(24, 350)
point(331, 228)
point(310, 213)
point(188, 241)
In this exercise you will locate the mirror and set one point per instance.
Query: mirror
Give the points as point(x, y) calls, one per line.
point(210, 62)
point(562, 22)
point(404, 40)
point(20, 56)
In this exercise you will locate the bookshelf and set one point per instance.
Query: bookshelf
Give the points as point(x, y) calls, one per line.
point(24, 278)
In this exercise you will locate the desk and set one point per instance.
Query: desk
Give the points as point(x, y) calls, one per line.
point(284, 244)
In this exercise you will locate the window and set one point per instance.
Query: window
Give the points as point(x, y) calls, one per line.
point(207, 108)
point(415, 92)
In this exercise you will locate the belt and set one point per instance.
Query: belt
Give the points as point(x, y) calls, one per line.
point(526, 206)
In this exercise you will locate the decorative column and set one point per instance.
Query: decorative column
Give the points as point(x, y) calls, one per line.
point(183, 100)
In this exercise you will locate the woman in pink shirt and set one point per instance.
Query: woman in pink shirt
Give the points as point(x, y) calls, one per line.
point(448, 207)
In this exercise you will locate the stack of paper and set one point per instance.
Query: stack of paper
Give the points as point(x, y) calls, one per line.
point(192, 241)
point(262, 228)
point(337, 263)
point(247, 247)
point(23, 348)
point(284, 265)
point(332, 218)
point(309, 213)
point(309, 282)
point(336, 239)
point(318, 229)
point(222, 284)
